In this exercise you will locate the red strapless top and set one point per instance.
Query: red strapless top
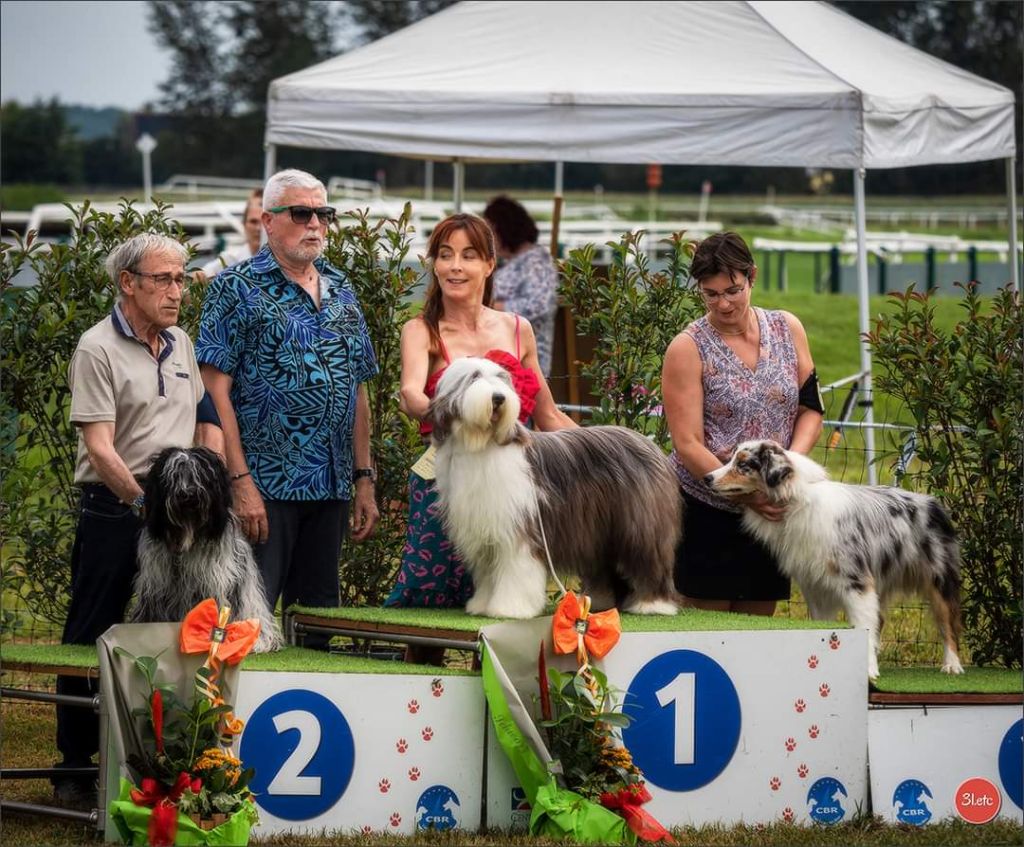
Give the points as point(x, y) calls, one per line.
point(524, 380)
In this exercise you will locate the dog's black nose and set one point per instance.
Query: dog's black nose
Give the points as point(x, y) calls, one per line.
point(497, 399)
point(707, 479)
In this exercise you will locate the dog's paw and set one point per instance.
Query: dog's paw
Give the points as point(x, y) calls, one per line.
point(952, 666)
point(651, 607)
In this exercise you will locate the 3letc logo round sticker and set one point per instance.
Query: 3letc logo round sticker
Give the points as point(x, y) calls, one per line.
point(686, 720)
point(977, 800)
point(302, 750)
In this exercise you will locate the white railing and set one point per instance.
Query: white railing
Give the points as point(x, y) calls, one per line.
point(216, 186)
point(346, 187)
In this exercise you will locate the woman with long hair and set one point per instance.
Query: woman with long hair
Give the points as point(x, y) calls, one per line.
point(457, 321)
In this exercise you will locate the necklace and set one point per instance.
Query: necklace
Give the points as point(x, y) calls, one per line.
point(732, 332)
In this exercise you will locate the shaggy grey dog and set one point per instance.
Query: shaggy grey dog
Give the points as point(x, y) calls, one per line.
point(604, 498)
point(192, 546)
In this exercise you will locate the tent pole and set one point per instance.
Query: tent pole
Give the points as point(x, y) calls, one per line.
point(269, 161)
point(1011, 200)
point(458, 184)
point(269, 168)
point(556, 211)
point(862, 299)
point(568, 321)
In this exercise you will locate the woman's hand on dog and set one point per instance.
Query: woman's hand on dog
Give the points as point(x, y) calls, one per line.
point(248, 505)
point(767, 509)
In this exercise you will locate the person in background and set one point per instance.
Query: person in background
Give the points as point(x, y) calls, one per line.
point(738, 373)
point(457, 321)
point(135, 389)
point(527, 281)
point(285, 354)
point(252, 223)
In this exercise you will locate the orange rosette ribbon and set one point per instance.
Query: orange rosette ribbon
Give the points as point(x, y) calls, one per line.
point(574, 628)
point(206, 629)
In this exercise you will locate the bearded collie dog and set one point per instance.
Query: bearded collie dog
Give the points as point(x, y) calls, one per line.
point(602, 500)
point(192, 546)
point(850, 546)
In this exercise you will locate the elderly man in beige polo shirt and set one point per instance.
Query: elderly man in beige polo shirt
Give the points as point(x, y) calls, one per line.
point(135, 389)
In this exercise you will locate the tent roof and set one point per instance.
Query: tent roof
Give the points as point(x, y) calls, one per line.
point(727, 83)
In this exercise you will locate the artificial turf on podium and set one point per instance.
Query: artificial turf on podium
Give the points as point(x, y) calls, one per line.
point(907, 680)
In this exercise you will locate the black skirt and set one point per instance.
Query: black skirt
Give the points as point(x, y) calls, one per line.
point(718, 560)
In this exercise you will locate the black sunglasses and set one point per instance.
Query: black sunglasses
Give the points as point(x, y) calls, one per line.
point(302, 214)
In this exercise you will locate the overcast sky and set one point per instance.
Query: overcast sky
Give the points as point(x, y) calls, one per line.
point(93, 53)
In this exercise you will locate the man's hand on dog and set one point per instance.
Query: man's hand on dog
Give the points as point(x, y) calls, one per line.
point(763, 506)
point(248, 505)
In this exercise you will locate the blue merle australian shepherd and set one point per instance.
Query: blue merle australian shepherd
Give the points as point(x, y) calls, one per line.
point(192, 546)
point(850, 546)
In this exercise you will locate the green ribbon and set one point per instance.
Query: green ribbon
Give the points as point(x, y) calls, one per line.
point(557, 812)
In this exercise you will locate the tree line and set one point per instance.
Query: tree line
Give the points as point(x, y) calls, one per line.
point(211, 112)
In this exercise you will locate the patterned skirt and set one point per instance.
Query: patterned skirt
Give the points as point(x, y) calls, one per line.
point(432, 574)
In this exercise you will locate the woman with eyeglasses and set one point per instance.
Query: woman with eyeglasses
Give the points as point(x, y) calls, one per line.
point(736, 374)
point(457, 320)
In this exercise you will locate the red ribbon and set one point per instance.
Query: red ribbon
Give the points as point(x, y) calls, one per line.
point(163, 823)
point(627, 802)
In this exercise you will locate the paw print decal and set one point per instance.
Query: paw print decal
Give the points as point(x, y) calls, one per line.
point(812, 662)
point(384, 785)
point(824, 690)
point(775, 783)
point(787, 815)
point(799, 705)
point(833, 642)
point(414, 774)
point(367, 830)
point(427, 733)
point(437, 687)
point(813, 730)
point(396, 819)
point(790, 744)
point(401, 745)
point(802, 771)
point(413, 707)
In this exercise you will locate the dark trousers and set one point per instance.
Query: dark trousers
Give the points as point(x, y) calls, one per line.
point(103, 565)
point(299, 560)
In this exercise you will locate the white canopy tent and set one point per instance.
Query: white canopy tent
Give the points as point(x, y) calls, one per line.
point(740, 82)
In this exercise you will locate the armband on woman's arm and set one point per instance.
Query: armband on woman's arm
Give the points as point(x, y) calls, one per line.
point(810, 394)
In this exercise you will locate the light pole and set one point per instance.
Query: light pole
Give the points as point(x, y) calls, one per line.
point(146, 144)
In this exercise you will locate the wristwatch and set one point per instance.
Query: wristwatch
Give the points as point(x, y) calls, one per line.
point(137, 505)
point(359, 473)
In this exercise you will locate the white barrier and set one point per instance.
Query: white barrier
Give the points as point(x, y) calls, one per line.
point(936, 762)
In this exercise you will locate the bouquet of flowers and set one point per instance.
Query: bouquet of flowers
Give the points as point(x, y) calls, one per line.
point(583, 721)
point(192, 789)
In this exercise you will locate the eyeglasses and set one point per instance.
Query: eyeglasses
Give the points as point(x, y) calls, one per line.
point(731, 295)
point(302, 214)
point(163, 281)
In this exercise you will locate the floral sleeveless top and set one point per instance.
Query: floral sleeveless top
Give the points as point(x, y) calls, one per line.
point(741, 404)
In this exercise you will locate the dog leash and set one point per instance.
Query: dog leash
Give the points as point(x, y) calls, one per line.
point(547, 555)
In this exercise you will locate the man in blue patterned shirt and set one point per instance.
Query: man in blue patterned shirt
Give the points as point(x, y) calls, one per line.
point(284, 352)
